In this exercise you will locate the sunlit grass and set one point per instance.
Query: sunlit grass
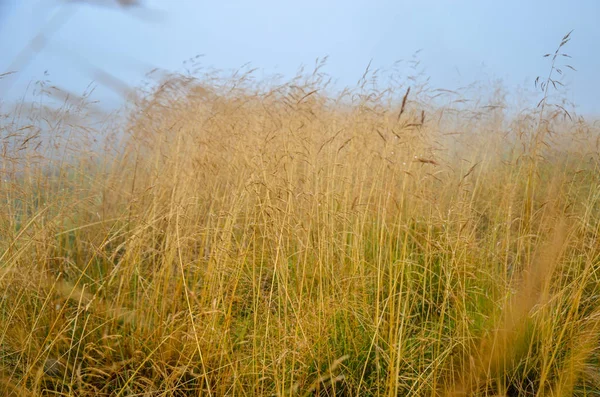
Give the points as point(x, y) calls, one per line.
point(234, 239)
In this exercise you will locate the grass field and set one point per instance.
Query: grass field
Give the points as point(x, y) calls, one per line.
point(235, 238)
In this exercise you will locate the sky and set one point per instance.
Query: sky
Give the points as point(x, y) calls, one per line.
point(460, 41)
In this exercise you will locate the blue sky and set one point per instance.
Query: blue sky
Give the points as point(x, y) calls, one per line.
point(462, 41)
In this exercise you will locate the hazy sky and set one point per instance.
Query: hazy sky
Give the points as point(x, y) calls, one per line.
point(461, 40)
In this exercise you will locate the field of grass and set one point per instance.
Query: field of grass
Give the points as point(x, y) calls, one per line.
point(237, 238)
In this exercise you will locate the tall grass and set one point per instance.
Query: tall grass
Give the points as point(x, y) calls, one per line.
point(239, 237)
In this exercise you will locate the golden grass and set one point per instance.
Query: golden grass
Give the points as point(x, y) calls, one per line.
point(234, 239)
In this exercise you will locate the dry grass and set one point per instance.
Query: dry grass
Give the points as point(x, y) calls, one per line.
point(240, 238)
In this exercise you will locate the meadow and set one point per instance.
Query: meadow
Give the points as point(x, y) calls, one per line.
point(232, 236)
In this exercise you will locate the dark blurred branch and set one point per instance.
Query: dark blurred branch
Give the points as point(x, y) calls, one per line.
point(38, 43)
point(110, 3)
